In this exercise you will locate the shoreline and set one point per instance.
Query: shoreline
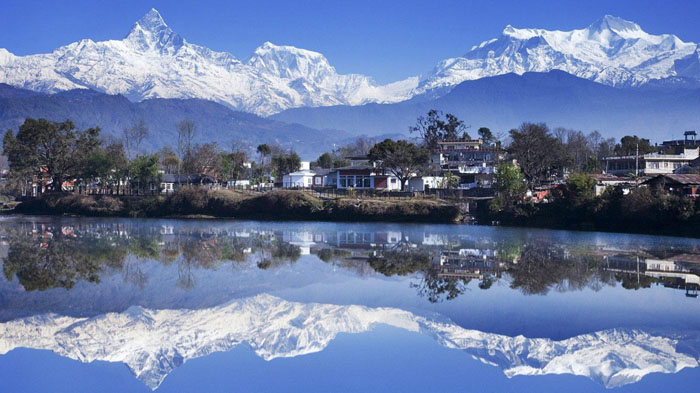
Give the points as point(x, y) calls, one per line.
point(282, 205)
point(290, 205)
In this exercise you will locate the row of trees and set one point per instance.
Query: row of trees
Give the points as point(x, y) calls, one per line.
point(57, 152)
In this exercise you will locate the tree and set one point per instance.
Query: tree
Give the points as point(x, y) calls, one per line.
point(487, 136)
point(186, 131)
point(133, 136)
point(510, 186)
point(579, 188)
point(437, 127)
point(284, 163)
point(57, 149)
point(535, 149)
point(628, 146)
point(449, 181)
point(325, 160)
point(145, 169)
point(358, 147)
point(203, 158)
point(233, 166)
point(169, 160)
point(401, 158)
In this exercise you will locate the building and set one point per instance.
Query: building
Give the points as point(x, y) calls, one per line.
point(603, 181)
point(470, 160)
point(686, 185)
point(422, 183)
point(689, 140)
point(651, 163)
point(298, 179)
point(171, 182)
point(322, 177)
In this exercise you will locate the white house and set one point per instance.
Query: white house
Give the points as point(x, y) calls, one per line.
point(423, 182)
point(300, 179)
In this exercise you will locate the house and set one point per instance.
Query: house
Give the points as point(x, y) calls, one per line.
point(686, 185)
point(366, 177)
point(651, 163)
point(470, 160)
point(322, 178)
point(298, 179)
point(171, 182)
point(422, 183)
point(603, 181)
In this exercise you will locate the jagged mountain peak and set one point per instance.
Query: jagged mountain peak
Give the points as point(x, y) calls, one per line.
point(613, 23)
point(151, 32)
point(612, 51)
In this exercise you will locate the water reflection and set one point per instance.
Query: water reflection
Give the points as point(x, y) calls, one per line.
point(153, 294)
point(152, 343)
point(44, 255)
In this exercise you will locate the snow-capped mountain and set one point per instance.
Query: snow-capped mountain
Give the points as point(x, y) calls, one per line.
point(152, 343)
point(154, 61)
point(611, 51)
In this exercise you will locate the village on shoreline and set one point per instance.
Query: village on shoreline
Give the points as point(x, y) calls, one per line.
point(529, 176)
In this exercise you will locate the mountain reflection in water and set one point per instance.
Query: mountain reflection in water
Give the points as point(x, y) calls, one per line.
point(154, 293)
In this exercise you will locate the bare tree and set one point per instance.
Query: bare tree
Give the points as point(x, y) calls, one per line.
point(132, 138)
point(186, 131)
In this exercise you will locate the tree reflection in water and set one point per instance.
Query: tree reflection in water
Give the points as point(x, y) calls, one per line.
point(43, 256)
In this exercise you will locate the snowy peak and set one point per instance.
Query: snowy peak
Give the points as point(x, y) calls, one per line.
point(612, 51)
point(615, 24)
point(289, 62)
point(152, 343)
point(151, 32)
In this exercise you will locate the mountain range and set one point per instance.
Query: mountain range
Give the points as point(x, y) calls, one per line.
point(153, 61)
point(503, 102)
point(152, 343)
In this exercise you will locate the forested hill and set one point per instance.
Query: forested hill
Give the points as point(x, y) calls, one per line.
point(503, 102)
point(214, 122)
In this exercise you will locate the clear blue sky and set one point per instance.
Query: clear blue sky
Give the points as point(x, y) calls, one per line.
point(387, 40)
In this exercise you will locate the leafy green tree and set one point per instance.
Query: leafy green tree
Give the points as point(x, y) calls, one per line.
point(536, 151)
point(579, 188)
point(233, 166)
point(437, 127)
point(325, 160)
point(145, 169)
point(510, 186)
point(400, 158)
point(628, 146)
point(284, 163)
point(56, 148)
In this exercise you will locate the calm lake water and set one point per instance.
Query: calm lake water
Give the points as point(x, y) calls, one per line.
point(125, 305)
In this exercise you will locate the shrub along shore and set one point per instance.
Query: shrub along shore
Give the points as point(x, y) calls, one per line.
point(275, 205)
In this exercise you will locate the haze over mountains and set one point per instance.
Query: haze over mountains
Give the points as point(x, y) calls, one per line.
point(623, 80)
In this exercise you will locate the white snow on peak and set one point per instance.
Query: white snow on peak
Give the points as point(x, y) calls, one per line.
point(152, 343)
point(154, 61)
point(611, 51)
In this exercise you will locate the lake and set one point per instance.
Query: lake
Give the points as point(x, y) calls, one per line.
point(117, 305)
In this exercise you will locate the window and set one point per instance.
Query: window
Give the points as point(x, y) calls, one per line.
point(393, 181)
point(343, 181)
point(366, 182)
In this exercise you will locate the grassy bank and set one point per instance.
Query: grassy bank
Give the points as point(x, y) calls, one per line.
point(644, 211)
point(276, 205)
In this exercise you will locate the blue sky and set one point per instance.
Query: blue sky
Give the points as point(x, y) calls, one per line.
point(388, 40)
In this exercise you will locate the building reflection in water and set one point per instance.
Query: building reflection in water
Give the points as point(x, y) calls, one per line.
point(44, 255)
